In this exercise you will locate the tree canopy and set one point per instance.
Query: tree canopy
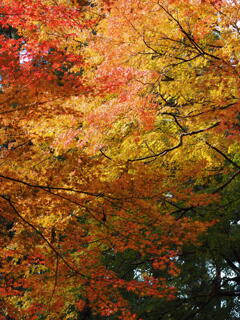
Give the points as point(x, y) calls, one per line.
point(119, 159)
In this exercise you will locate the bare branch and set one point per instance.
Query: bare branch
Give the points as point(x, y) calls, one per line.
point(189, 37)
point(52, 188)
point(227, 182)
point(223, 155)
point(7, 198)
point(182, 135)
point(104, 154)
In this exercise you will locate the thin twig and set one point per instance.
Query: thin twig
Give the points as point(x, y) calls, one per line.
point(104, 154)
point(227, 182)
point(8, 199)
point(51, 188)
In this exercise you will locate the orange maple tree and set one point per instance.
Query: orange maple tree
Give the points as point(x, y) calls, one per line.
point(116, 116)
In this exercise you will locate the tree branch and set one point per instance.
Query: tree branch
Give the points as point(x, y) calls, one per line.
point(223, 155)
point(227, 182)
point(182, 135)
point(51, 188)
point(7, 198)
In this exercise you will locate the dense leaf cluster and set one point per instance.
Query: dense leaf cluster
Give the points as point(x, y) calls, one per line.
point(119, 160)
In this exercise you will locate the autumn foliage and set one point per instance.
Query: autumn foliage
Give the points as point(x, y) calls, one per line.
point(119, 130)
